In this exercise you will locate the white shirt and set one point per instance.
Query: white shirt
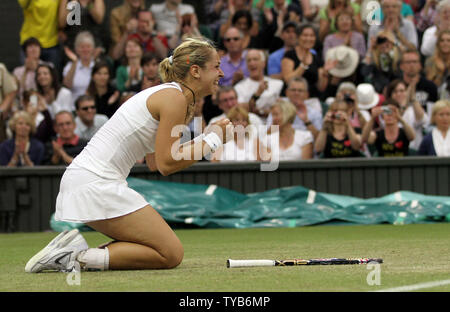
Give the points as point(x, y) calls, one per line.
point(253, 118)
point(231, 152)
point(247, 87)
point(429, 39)
point(81, 79)
point(63, 102)
point(410, 118)
point(85, 132)
point(124, 139)
point(441, 144)
point(293, 152)
point(166, 20)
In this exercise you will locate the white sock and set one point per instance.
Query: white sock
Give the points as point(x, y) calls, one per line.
point(94, 259)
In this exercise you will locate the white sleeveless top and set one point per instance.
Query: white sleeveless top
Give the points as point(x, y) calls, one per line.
point(294, 152)
point(231, 152)
point(125, 138)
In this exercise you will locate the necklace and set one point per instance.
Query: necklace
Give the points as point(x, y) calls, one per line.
point(193, 94)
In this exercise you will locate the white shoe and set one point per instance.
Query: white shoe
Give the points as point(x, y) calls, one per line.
point(60, 254)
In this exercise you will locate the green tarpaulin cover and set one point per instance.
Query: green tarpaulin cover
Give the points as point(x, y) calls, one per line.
point(211, 206)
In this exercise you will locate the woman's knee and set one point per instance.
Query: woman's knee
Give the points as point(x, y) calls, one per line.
point(173, 256)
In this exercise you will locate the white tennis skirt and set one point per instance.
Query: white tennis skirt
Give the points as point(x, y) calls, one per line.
point(84, 196)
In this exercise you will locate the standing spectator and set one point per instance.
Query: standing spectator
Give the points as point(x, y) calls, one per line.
point(130, 74)
point(22, 149)
point(437, 142)
point(40, 20)
point(392, 140)
point(57, 97)
point(293, 144)
point(428, 16)
point(338, 138)
point(101, 89)
point(67, 144)
point(410, 109)
point(403, 29)
point(146, 36)
point(165, 14)
point(345, 35)
point(380, 65)
point(233, 63)
point(308, 110)
point(426, 91)
point(442, 22)
point(26, 74)
point(438, 65)
point(123, 20)
point(92, 14)
point(36, 105)
point(243, 21)
point(87, 121)
point(8, 92)
point(226, 16)
point(227, 98)
point(329, 14)
point(289, 36)
point(305, 62)
point(258, 92)
point(77, 72)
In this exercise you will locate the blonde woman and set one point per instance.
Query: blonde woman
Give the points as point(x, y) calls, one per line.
point(437, 142)
point(437, 65)
point(22, 149)
point(337, 138)
point(244, 146)
point(94, 190)
point(293, 144)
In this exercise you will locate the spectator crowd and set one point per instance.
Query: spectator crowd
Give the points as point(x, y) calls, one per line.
point(337, 78)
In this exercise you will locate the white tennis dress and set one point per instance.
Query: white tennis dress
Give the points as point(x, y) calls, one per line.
point(94, 186)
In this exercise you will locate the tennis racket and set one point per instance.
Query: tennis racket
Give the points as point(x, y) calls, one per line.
point(292, 262)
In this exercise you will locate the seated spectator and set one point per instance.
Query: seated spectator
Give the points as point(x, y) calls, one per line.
point(359, 101)
point(411, 67)
point(442, 22)
point(340, 65)
point(22, 150)
point(100, 88)
point(406, 11)
point(130, 74)
point(243, 21)
point(303, 60)
point(289, 37)
point(345, 35)
point(67, 144)
point(77, 72)
point(438, 65)
point(403, 29)
point(274, 20)
point(150, 74)
point(308, 110)
point(40, 20)
point(437, 142)
point(226, 16)
point(91, 17)
point(123, 20)
point(26, 74)
point(36, 105)
point(227, 98)
point(392, 140)
point(57, 97)
point(189, 27)
point(337, 138)
point(293, 144)
point(88, 122)
point(145, 35)
point(380, 65)
point(335, 7)
point(245, 145)
point(8, 91)
point(166, 16)
point(233, 63)
point(258, 92)
point(410, 109)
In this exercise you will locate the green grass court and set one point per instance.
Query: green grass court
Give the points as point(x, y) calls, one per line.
point(412, 254)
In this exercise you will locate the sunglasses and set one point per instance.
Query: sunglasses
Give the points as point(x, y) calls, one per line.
point(233, 38)
point(88, 107)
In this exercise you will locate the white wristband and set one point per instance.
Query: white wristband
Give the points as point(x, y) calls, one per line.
point(213, 140)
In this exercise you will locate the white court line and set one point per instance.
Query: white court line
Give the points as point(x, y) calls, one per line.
point(416, 286)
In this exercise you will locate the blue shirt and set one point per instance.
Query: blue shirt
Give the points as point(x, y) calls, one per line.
point(229, 69)
point(35, 152)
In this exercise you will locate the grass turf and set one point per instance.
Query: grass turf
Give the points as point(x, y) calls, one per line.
point(412, 254)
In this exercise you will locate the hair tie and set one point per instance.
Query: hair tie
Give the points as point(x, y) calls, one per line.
point(170, 60)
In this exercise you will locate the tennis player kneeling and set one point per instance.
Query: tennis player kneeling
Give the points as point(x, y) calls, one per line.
point(94, 190)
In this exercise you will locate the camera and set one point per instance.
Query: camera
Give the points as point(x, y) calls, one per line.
point(348, 99)
point(381, 40)
point(386, 110)
point(336, 115)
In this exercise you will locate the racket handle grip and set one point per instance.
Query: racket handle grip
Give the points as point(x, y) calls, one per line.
point(249, 263)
